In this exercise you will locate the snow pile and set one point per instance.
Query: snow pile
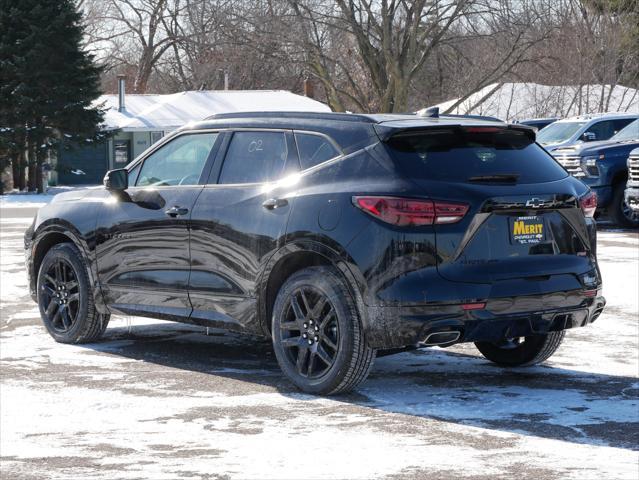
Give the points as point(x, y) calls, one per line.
point(517, 101)
point(168, 112)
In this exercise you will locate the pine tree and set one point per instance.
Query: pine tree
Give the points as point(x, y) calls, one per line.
point(47, 81)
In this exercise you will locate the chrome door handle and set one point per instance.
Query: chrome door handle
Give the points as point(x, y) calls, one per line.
point(175, 211)
point(273, 203)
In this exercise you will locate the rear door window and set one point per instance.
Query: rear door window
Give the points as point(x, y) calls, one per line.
point(314, 149)
point(254, 157)
point(602, 130)
point(462, 155)
point(621, 123)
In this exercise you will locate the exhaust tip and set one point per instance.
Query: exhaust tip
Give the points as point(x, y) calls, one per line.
point(442, 338)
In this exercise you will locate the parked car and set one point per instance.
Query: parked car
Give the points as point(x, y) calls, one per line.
point(632, 187)
point(336, 235)
point(581, 129)
point(602, 166)
point(537, 123)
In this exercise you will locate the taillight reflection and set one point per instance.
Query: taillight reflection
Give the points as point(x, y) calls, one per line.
point(411, 212)
point(588, 204)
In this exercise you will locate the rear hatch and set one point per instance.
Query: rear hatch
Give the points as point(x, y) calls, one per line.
point(524, 219)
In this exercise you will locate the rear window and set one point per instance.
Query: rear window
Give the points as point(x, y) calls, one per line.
point(458, 155)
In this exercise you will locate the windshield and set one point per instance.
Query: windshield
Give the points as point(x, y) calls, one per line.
point(629, 132)
point(463, 155)
point(558, 132)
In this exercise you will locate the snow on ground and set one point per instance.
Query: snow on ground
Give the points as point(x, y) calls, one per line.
point(163, 401)
point(17, 199)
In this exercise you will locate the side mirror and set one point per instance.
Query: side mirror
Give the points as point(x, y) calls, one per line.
point(117, 180)
point(589, 136)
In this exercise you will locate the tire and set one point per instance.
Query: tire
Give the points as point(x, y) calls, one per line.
point(65, 297)
point(338, 358)
point(620, 213)
point(531, 351)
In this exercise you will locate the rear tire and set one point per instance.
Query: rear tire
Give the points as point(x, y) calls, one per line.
point(65, 297)
point(317, 333)
point(620, 213)
point(531, 351)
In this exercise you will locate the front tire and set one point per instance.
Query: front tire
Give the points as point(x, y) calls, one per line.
point(317, 334)
point(620, 212)
point(65, 299)
point(522, 352)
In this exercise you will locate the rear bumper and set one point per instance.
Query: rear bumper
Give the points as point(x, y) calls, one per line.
point(396, 327)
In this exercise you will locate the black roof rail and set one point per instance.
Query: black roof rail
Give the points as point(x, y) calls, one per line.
point(348, 117)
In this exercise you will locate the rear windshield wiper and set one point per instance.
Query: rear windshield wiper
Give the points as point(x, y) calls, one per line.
point(503, 177)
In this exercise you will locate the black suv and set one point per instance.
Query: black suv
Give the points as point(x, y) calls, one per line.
point(337, 235)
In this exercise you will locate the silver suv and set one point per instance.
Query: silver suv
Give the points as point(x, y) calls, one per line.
point(583, 128)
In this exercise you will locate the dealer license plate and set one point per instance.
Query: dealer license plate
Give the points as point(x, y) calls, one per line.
point(528, 230)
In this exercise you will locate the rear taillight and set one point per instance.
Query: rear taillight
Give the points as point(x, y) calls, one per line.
point(405, 212)
point(588, 204)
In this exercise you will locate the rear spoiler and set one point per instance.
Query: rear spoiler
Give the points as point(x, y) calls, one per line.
point(385, 132)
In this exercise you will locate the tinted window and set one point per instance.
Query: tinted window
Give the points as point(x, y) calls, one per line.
point(314, 149)
point(558, 132)
point(629, 132)
point(254, 157)
point(179, 162)
point(621, 124)
point(456, 155)
point(603, 130)
point(133, 174)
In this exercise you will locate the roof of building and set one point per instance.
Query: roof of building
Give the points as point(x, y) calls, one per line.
point(168, 112)
point(585, 118)
point(516, 101)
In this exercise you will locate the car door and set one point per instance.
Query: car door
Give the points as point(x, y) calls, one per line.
point(238, 222)
point(143, 232)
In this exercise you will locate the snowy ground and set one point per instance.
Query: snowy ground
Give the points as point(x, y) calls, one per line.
point(31, 200)
point(160, 400)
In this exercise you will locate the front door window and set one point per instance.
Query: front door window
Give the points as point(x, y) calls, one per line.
point(179, 162)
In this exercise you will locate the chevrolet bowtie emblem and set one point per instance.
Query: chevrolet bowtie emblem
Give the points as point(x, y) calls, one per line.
point(535, 203)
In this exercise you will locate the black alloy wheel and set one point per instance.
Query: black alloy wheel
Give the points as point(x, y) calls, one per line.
point(65, 297)
point(309, 332)
point(317, 333)
point(60, 297)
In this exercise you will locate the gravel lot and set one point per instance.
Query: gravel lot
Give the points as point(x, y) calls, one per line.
point(160, 400)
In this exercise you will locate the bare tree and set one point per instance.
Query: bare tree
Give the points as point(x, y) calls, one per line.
point(371, 55)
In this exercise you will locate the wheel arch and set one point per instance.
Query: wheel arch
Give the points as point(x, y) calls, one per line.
point(51, 235)
point(620, 176)
point(297, 256)
point(45, 243)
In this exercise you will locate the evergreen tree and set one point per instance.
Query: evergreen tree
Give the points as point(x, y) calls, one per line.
point(47, 81)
